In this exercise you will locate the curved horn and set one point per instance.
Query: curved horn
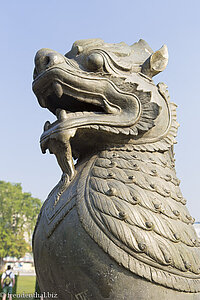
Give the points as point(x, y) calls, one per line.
point(156, 63)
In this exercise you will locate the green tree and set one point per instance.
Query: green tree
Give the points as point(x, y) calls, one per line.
point(18, 215)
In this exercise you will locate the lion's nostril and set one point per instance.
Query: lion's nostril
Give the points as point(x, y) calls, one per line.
point(46, 60)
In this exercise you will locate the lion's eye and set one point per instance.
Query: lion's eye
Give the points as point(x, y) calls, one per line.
point(95, 61)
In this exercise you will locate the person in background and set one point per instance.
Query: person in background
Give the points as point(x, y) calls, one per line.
point(7, 283)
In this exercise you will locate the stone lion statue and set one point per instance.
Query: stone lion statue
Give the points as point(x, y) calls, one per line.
point(116, 226)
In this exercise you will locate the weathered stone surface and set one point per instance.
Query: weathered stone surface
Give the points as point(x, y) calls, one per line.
point(116, 225)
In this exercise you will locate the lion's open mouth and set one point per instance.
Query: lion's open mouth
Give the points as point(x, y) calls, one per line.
point(70, 104)
point(68, 108)
point(61, 93)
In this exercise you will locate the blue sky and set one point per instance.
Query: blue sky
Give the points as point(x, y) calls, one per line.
point(27, 26)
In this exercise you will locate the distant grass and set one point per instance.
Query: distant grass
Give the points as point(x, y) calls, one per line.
point(26, 285)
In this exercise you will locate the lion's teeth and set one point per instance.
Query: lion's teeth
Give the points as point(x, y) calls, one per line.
point(58, 89)
point(78, 113)
point(82, 113)
point(42, 101)
point(61, 114)
point(43, 147)
point(46, 125)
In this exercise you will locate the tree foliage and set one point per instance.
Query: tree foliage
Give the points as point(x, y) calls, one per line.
point(18, 215)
